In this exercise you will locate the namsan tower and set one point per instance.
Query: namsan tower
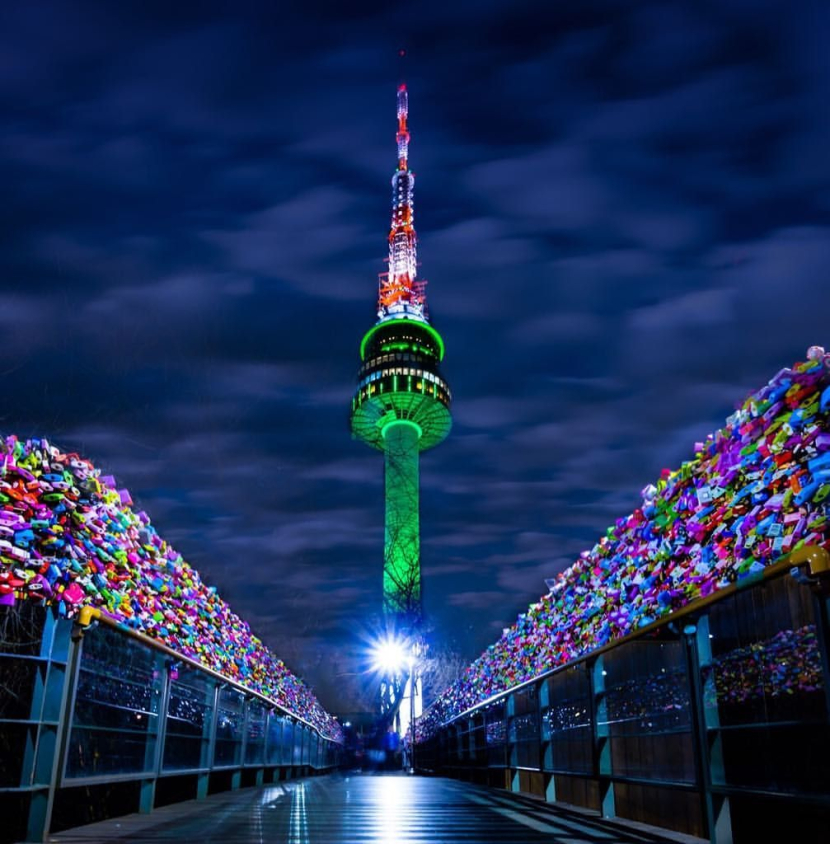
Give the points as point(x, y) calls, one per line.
point(402, 403)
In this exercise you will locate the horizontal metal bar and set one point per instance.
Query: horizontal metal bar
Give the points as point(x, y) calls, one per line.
point(764, 725)
point(22, 789)
point(801, 556)
point(184, 772)
point(677, 785)
point(103, 779)
point(800, 796)
point(89, 613)
point(126, 731)
point(31, 658)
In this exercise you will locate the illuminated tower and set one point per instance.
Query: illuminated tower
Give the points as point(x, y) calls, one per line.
point(402, 404)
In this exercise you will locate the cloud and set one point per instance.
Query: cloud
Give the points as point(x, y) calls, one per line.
point(300, 240)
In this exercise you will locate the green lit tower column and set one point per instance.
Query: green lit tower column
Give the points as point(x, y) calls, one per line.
point(402, 403)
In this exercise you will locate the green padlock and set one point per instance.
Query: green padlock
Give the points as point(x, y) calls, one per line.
point(822, 493)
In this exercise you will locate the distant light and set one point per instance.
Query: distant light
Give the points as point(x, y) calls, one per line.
point(347, 724)
point(389, 655)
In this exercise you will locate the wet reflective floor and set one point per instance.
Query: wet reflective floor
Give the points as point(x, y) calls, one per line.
point(362, 809)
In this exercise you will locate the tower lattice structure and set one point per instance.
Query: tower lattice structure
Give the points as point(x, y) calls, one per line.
point(402, 403)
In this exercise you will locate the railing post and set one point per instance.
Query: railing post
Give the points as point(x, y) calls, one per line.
point(206, 748)
point(265, 755)
point(236, 772)
point(706, 723)
point(509, 715)
point(51, 702)
point(214, 726)
point(236, 776)
point(821, 611)
point(708, 750)
point(548, 779)
point(155, 741)
point(603, 769)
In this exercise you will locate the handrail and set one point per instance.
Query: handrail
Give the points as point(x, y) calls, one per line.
point(814, 557)
point(90, 614)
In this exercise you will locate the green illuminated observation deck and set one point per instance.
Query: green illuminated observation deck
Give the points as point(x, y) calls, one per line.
point(394, 328)
point(400, 381)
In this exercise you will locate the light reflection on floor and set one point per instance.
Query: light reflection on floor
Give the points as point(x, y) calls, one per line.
point(298, 819)
point(359, 809)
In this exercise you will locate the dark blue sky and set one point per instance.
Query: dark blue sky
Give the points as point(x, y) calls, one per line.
point(623, 211)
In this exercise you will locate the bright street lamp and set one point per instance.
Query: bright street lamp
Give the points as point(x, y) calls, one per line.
point(392, 657)
point(389, 655)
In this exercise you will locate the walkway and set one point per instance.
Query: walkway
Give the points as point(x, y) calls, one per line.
point(361, 809)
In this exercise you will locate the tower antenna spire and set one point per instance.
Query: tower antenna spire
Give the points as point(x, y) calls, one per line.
point(400, 295)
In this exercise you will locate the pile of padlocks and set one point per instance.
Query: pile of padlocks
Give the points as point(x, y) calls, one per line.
point(68, 537)
point(755, 490)
point(789, 661)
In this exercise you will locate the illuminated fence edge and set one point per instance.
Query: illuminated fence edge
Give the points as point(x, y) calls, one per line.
point(755, 490)
point(69, 539)
point(97, 720)
point(714, 722)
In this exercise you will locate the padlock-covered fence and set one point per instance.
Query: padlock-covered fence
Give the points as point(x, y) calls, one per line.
point(70, 539)
point(98, 721)
point(754, 491)
point(715, 723)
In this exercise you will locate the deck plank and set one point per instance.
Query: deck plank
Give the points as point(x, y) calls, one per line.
point(361, 809)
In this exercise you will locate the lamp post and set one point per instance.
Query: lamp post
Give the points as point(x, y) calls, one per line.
point(413, 658)
point(390, 656)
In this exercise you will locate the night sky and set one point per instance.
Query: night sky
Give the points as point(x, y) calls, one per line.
point(623, 211)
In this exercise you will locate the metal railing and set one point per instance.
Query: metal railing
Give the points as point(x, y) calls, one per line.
point(98, 720)
point(709, 721)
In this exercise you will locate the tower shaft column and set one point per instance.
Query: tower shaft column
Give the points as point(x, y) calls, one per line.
point(402, 549)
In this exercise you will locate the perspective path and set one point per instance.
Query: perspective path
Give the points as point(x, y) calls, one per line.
point(363, 809)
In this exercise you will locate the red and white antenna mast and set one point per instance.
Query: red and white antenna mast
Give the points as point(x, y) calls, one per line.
point(400, 295)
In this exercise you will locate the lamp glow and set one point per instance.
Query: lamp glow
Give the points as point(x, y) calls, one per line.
point(389, 656)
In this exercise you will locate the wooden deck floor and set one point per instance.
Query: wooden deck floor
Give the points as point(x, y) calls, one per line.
point(362, 809)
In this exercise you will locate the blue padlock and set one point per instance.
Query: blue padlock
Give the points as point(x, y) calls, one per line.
point(820, 462)
point(807, 492)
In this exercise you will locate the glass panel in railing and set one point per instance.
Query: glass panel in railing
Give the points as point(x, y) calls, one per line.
point(496, 733)
point(299, 740)
point(230, 722)
point(765, 691)
point(189, 720)
point(255, 733)
point(22, 628)
point(647, 710)
point(288, 727)
point(17, 687)
point(273, 751)
point(566, 722)
point(765, 658)
point(117, 702)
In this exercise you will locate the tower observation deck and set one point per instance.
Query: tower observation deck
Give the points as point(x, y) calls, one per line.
point(402, 403)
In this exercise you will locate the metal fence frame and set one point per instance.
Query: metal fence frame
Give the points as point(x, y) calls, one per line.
point(42, 764)
point(459, 747)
